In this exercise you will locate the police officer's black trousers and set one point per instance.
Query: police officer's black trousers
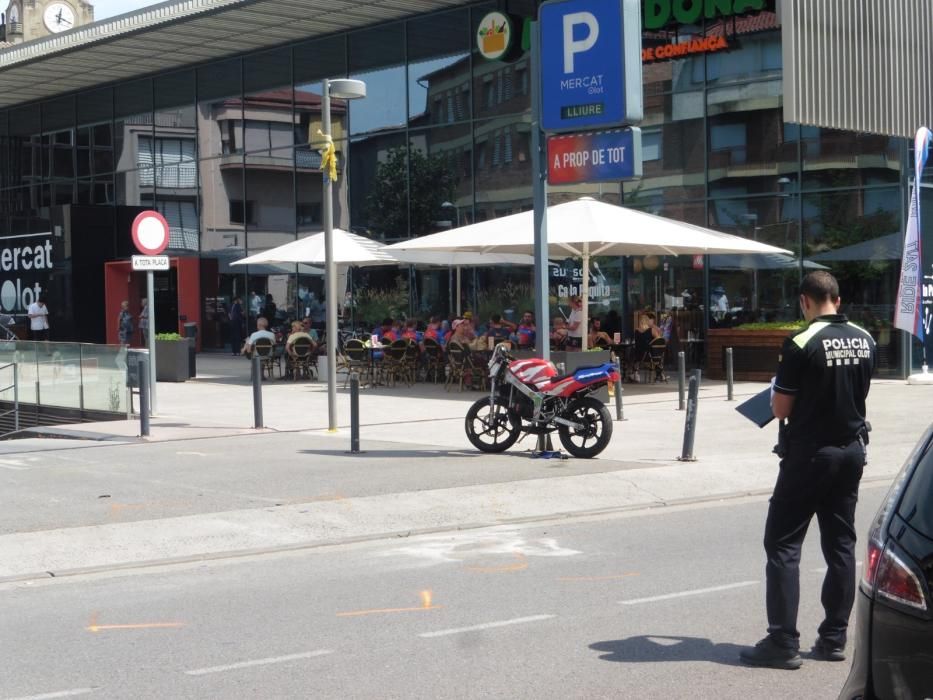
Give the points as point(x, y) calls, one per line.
point(823, 482)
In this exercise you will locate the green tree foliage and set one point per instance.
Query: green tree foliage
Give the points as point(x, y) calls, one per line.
point(427, 180)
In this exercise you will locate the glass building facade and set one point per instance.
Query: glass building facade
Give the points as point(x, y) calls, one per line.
point(227, 151)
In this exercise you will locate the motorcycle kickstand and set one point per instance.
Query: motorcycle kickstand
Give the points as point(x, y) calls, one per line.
point(545, 448)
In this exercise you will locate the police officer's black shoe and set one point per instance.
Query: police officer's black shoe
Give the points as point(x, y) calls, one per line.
point(825, 650)
point(771, 655)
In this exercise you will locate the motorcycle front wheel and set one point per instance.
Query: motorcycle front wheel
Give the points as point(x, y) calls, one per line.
point(591, 439)
point(490, 431)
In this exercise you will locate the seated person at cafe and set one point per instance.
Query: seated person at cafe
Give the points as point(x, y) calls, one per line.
point(463, 332)
point(386, 331)
point(410, 331)
point(646, 332)
point(597, 337)
point(308, 326)
point(433, 331)
point(298, 331)
point(262, 331)
point(498, 329)
point(558, 332)
point(525, 331)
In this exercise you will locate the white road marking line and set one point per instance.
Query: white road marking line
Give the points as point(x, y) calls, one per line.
point(486, 626)
point(59, 694)
point(13, 464)
point(196, 454)
point(259, 662)
point(684, 594)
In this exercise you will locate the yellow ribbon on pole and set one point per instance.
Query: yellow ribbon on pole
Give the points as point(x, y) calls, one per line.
point(328, 156)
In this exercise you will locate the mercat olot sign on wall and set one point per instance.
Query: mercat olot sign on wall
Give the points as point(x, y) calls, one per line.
point(657, 14)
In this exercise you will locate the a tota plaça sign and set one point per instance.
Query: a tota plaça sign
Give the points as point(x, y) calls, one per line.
point(25, 266)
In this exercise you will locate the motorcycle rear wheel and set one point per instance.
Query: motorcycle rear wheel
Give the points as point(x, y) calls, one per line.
point(596, 432)
point(490, 432)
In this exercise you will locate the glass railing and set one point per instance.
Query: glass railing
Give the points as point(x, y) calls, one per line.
point(79, 376)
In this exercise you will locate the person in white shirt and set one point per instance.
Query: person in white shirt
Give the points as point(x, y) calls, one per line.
point(262, 326)
point(575, 329)
point(39, 319)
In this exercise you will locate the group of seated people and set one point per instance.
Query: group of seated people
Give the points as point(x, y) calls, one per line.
point(561, 338)
point(299, 329)
point(461, 330)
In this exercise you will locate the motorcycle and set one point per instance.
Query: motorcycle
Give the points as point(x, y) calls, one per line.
point(529, 397)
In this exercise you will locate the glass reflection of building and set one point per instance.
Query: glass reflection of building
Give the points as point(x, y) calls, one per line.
point(226, 152)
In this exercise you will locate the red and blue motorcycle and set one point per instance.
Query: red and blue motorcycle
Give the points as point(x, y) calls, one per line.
point(530, 397)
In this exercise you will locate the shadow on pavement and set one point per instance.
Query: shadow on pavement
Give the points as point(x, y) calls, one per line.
point(382, 454)
point(661, 647)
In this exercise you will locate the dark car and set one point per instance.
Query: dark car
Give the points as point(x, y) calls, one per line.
point(894, 617)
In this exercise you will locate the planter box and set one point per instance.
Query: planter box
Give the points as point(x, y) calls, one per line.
point(171, 360)
point(754, 353)
point(575, 360)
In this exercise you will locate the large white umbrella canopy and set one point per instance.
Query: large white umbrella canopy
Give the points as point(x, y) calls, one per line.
point(352, 249)
point(586, 227)
point(349, 249)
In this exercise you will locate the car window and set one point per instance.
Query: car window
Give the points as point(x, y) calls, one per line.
point(917, 503)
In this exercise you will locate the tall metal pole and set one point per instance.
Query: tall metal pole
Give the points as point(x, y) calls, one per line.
point(330, 274)
point(539, 196)
point(150, 338)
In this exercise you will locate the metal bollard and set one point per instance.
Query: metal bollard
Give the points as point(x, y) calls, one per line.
point(354, 412)
point(681, 378)
point(690, 425)
point(257, 391)
point(620, 412)
point(143, 369)
point(730, 384)
point(15, 396)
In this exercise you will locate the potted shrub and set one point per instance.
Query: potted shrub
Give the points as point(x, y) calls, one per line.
point(755, 349)
point(171, 357)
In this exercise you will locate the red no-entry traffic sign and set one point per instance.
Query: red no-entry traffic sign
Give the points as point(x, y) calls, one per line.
point(150, 232)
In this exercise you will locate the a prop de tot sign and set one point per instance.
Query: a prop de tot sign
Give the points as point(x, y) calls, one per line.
point(602, 156)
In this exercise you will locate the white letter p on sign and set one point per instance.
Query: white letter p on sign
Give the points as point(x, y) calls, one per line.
point(572, 47)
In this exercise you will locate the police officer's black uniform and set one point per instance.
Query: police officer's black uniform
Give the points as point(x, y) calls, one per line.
point(827, 368)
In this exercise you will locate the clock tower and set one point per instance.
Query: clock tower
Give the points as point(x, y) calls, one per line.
point(26, 20)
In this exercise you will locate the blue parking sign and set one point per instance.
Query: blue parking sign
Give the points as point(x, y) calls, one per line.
point(590, 64)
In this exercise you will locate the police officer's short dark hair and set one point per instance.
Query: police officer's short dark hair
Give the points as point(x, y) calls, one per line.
point(820, 286)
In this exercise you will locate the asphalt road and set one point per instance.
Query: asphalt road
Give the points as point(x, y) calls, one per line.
point(94, 484)
point(653, 604)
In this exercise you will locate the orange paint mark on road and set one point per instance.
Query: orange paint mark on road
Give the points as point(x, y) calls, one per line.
point(521, 565)
point(378, 611)
point(94, 627)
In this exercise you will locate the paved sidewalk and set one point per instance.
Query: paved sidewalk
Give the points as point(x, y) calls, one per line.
point(293, 484)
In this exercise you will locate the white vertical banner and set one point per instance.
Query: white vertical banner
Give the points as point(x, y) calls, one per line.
point(908, 305)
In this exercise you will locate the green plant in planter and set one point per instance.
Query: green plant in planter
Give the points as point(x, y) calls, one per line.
point(168, 336)
point(771, 326)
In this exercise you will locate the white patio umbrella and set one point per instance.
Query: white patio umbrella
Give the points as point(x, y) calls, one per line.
point(584, 228)
point(352, 249)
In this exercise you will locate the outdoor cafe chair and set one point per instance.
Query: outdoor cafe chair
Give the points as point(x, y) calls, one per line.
point(654, 360)
point(433, 359)
point(299, 364)
point(265, 349)
point(394, 367)
point(460, 363)
point(357, 358)
point(412, 360)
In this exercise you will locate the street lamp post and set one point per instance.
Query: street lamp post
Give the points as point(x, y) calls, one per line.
point(348, 90)
point(451, 205)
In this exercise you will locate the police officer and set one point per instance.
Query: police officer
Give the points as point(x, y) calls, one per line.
point(822, 381)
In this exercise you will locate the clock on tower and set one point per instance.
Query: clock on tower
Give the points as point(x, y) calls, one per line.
point(27, 20)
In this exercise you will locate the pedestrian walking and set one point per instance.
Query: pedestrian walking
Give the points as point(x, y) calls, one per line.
point(236, 326)
point(144, 322)
point(822, 381)
point(38, 314)
point(125, 323)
